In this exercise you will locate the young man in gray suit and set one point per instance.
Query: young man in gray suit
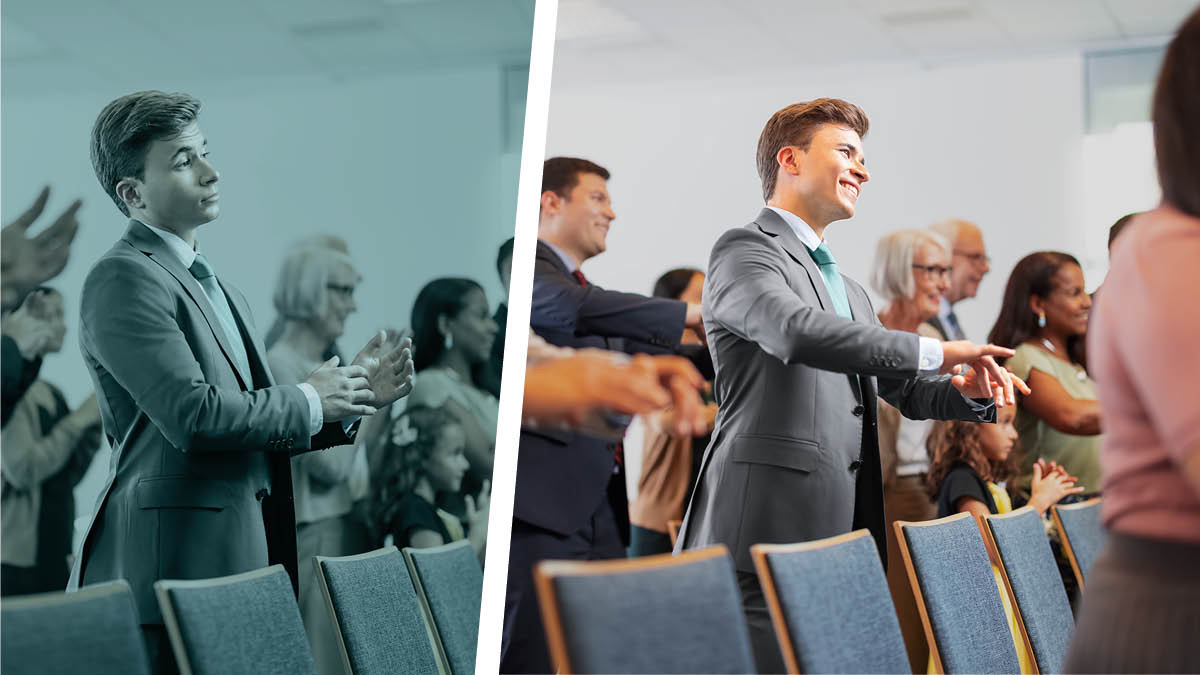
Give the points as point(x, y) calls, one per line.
point(799, 356)
point(200, 484)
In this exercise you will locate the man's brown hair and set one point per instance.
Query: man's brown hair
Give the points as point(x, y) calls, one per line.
point(1176, 116)
point(796, 125)
point(560, 175)
point(125, 129)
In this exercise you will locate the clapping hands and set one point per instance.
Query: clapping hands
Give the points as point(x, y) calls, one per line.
point(387, 359)
point(1051, 482)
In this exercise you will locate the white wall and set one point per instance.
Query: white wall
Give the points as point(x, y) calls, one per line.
point(998, 143)
point(409, 169)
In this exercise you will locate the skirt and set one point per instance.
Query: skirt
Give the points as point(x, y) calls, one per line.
point(1140, 611)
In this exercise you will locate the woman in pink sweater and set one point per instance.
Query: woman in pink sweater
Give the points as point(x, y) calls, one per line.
point(1141, 606)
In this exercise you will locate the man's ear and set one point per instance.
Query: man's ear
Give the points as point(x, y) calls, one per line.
point(789, 158)
point(129, 190)
point(551, 202)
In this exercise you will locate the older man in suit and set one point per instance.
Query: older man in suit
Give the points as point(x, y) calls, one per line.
point(799, 357)
point(200, 484)
point(570, 497)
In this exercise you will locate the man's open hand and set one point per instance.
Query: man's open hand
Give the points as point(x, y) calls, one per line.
point(387, 359)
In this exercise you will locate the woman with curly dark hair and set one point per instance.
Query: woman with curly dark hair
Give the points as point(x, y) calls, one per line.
point(426, 458)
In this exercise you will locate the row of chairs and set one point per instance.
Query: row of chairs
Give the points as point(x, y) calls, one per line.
point(416, 611)
point(829, 601)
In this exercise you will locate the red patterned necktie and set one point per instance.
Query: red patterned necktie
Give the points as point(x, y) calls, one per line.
point(582, 279)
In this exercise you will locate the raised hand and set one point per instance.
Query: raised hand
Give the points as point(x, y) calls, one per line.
point(387, 360)
point(31, 333)
point(344, 390)
point(25, 262)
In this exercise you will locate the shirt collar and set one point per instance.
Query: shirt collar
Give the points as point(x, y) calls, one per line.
point(178, 247)
point(803, 232)
point(567, 260)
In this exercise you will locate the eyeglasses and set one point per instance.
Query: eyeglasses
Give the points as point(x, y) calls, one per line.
point(975, 258)
point(344, 291)
point(934, 270)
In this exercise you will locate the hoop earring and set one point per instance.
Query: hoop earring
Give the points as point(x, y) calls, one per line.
point(1041, 320)
point(448, 343)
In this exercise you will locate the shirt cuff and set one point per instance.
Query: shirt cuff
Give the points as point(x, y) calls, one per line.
point(316, 418)
point(349, 422)
point(931, 356)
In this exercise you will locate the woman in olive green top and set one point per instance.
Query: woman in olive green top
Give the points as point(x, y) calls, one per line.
point(1044, 319)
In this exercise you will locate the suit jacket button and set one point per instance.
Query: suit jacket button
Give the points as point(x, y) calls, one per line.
point(858, 410)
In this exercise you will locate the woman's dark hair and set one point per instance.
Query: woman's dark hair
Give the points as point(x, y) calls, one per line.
point(445, 296)
point(1017, 324)
point(1175, 112)
point(409, 443)
point(674, 283)
point(956, 442)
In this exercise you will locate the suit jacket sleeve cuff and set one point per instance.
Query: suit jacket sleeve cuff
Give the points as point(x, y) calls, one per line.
point(316, 417)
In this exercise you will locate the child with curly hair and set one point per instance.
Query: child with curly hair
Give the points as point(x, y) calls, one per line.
point(969, 466)
point(426, 458)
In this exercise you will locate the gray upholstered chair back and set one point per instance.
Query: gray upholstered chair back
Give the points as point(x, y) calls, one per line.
point(1081, 534)
point(449, 583)
point(965, 621)
point(245, 623)
point(658, 614)
point(93, 630)
point(1041, 600)
point(376, 613)
point(831, 607)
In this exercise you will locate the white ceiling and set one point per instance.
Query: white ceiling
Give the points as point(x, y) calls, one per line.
point(601, 41)
point(57, 45)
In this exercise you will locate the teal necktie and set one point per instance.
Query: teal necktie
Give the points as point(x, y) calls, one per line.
point(833, 279)
point(220, 304)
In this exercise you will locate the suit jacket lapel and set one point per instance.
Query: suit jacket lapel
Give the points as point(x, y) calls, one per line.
point(256, 351)
point(772, 225)
point(546, 253)
point(140, 237)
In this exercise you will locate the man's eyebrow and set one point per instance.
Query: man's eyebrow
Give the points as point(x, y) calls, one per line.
point(188, 148)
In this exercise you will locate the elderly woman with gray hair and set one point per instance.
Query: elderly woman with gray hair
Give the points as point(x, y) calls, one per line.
point(314, 294)
point(912, 272)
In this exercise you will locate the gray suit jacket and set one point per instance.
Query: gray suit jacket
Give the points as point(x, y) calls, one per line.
point(197, 444)
point(795, 455)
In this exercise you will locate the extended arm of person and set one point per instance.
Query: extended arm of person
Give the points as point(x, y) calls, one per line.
point(562, 306)
point(30, 457)
point(748, 295)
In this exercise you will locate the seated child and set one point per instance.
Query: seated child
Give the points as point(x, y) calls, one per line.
point(425, 458)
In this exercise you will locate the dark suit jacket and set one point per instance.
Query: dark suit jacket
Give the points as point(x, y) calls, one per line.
point(195, 445)
point(562, 477)
point(794, 455)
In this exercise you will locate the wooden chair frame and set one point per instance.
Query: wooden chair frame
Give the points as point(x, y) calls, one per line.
point(1066, 540)
point(547, 571)
point(911, 570)
point(989, 539)
point(439, 650)
point(163, 588)
point(673, 530)
point(759, 553)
